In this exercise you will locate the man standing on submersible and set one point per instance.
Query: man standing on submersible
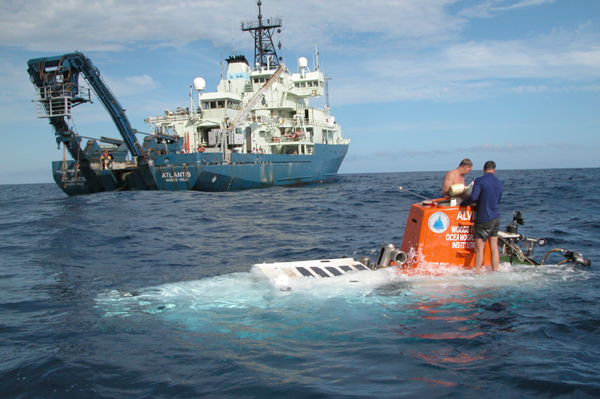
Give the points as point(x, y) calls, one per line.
point(487, 192)
point(456, 176)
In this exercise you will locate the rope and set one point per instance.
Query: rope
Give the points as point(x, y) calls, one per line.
point(64, 165)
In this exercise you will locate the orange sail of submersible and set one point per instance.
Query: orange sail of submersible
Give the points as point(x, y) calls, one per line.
point(438, 232)
point(441, 233)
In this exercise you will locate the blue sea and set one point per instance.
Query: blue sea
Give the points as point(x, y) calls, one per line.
point(154, 295)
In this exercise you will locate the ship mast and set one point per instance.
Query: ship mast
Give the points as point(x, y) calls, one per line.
point(265, 54)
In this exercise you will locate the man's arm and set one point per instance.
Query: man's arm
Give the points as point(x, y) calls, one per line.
point(474, 195)
point(446, 185)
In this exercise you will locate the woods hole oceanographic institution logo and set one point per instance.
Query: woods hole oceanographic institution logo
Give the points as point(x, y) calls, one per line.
point(438, 222)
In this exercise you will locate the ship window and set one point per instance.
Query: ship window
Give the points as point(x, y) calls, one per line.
point(302, 84)
point(297, 84)
point(221, 104)
point(233, 105)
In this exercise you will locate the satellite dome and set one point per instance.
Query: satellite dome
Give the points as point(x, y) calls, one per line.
point(199, 84)
point(302, 63)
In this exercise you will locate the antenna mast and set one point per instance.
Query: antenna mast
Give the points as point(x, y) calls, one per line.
point(327, 79)
point(265, 54)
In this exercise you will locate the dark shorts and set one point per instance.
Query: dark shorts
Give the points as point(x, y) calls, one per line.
point(487, 229)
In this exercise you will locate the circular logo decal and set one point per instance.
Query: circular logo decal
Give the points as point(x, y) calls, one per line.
point(438, 222)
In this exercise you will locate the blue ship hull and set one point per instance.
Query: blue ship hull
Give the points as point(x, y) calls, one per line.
point(208, 172)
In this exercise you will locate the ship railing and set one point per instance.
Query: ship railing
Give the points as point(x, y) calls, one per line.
point(263, 23)
point(168, 117)
point(313, 122)
point(289, 104)
point(57, 100)
point(292, 138)
point(116, 165)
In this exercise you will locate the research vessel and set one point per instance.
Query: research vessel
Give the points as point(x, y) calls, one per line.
point(256, 130)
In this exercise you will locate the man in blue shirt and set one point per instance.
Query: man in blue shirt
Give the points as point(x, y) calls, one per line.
point(487, 191)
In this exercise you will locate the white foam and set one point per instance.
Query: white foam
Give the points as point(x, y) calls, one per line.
point(253, 290)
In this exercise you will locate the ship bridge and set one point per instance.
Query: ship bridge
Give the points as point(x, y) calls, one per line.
point(309, 84)
point(220, 100)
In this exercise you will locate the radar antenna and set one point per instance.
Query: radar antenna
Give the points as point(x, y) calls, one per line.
point(265, 54)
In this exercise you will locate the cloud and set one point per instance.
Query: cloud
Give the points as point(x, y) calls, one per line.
point(488, 148)
point(495, 148)
point(131, 85)
point(471, 70)
point(376, 51)
point(106, 25)
point(489, 8)
point(521, 4)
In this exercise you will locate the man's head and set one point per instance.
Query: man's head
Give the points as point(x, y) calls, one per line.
point(490, 166)
point(465, 166)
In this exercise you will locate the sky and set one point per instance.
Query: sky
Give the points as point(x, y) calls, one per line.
point(416, 85)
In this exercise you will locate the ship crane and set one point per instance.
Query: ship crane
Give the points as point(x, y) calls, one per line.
point(248, 108)
point(56, 80)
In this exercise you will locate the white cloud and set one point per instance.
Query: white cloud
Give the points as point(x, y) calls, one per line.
point(131, 85)
point(489, 8)
point(377, 51)
point(107, 25)
point(520, 4)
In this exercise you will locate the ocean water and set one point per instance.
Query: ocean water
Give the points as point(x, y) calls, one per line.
point(153, 295)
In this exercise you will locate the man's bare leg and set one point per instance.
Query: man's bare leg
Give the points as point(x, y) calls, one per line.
point(479, 248)
point(495, 253)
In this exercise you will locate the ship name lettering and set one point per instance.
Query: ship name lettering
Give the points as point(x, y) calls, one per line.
point(465, 215)
point(175, 175)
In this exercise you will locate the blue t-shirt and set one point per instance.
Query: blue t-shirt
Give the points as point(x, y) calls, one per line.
point(487, 191)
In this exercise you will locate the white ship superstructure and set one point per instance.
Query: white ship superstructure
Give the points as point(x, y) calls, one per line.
point(281, 121)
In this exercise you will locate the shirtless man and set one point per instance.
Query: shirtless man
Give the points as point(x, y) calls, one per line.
point(456, 176)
